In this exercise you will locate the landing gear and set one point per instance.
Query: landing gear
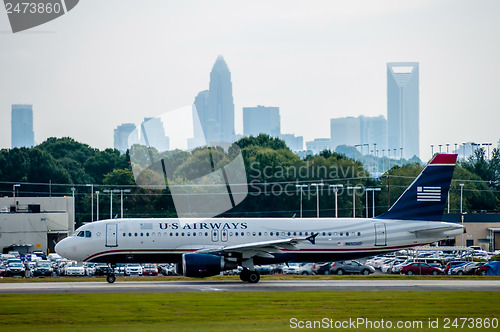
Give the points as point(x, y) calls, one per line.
point(111, 278)
point(250, 276)
point(248, 273)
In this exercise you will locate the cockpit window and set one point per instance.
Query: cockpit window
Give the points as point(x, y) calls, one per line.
point(88, 234)
point(81, 234)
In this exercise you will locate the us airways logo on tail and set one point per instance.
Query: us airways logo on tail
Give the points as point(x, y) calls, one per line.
point(428, 194)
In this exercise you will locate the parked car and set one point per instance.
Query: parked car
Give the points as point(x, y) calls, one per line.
point(481, 271)
point(15, 269)
point(2, 270)
point(42, 268)
point(291, 268)
point(306, 269)
point(73, 269)
point(133, 269)
point(351, 267)
point(264, 269)
point(168, 269)
point(450, 265)
point(40, 254)
point(150, 270)
point(420, 268)
point(101, 269)
point(323, 268)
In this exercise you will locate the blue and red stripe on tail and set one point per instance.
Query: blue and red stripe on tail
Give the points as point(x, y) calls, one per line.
point(426, 197)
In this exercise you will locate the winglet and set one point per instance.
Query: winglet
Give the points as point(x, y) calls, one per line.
point(312, 238)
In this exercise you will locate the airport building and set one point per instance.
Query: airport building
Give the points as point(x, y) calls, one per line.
point(22, 134)
point(34, 223)
point(483, 229)
point(403, 108)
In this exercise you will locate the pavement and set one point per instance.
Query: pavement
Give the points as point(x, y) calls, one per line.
point(238, 286)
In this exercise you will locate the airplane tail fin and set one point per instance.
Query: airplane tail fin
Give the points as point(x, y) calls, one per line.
point(426, 197)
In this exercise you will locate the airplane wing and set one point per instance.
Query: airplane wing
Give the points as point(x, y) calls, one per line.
point(261, 249)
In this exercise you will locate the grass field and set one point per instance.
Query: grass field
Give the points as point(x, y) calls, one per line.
point(264, 277)
point(240, 311)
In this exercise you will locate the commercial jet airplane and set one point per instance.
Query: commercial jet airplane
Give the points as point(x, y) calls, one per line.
point(206, 247)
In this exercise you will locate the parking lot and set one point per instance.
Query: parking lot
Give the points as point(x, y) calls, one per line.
point(470, 262)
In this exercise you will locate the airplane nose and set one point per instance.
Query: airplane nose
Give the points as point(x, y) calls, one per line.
point(62, 248)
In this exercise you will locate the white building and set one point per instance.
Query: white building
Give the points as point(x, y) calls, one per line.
point(34, 223)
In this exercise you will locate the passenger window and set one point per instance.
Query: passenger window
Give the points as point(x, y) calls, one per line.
point(135, 234)
point(129, 234)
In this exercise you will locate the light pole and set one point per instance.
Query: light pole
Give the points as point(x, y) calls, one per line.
point(401, 157)
point(92, 200)
point(447, 147)
point(301, 186)
point(121, 204)
point(440, 145)
point(461, 197)
point(17, 185)
point(373, 190)
point(432, 150)
point(317, 185)
point(353, 200)
point(97, 193)
point(336, 190)
point(74, 221)
point(111, 191)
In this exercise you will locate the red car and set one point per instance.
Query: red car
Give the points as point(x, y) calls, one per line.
point(420, 268)
point(481, 271)
point(150, 270)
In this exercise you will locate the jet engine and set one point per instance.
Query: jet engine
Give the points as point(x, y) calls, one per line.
point(205, 265)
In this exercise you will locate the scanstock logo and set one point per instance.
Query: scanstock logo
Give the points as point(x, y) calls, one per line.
point(26, 14)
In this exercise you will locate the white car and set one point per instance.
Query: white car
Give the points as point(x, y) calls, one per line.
point(74, 270)
point(291, 268)
point(133, 269)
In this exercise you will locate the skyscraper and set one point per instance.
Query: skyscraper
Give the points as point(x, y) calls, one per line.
point(153, 134)
point(215, 107)
point(403, 107)
point(373, 130)
point(22, 134)
point(121, 136)
point(345, 131)
point(261, 120)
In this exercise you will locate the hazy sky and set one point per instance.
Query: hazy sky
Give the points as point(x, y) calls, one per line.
point(108, 62)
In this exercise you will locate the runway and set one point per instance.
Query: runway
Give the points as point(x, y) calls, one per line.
point(238, 286)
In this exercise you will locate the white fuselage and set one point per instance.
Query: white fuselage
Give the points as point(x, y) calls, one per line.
point(166, 240)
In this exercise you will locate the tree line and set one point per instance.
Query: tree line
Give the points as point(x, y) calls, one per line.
point(276, 177)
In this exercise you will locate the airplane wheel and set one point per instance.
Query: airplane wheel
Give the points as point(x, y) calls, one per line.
point(111, 278)
point(253, 277)
point(244, 275)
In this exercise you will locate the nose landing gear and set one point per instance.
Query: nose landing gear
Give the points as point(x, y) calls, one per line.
point(111, 278)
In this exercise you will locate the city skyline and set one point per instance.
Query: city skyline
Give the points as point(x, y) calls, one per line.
point(315, 62)
point(22, 134)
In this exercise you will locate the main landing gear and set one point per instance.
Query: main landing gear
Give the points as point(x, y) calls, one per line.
point(248, 273)
point(111, 278)
point(250, 276)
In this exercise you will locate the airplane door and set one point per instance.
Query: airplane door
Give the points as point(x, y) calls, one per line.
point(215, 235)
point(223, 235)
point(111, 235)
point(380, 234)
